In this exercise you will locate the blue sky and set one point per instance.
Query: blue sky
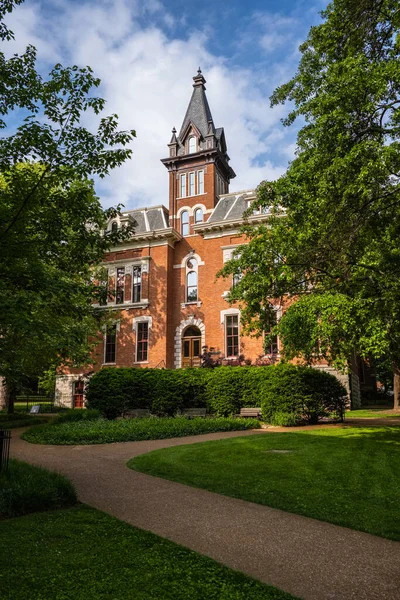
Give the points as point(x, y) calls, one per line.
point(146, 53)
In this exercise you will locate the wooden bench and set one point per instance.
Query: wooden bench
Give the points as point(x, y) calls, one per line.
point(254, 413)
point(136, 413)
point(190, 413)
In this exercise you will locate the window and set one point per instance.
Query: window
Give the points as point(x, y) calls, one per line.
point(136, 284)
point(200, 182)
point(119, 287)
point(238, 275)
point(191, 286)
point(272, 347)
point(103, 292)
point(185, 223)
point(192, 145)
point(114, 226)
point(110, 344)
point(191, 280)
point(198, 215)
point(142, 341)
point(191, 184)
point(183, 186)
point(232, 335)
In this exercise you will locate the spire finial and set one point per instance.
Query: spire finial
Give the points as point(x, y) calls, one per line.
point(199, 79)
point(199, 71)
point(173, 130)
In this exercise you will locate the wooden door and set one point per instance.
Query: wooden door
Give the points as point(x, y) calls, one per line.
point(78, 394)
point(191, 352)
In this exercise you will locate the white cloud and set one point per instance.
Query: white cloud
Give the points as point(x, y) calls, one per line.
point(146, 78)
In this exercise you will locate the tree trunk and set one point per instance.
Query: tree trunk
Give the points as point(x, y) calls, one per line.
point(11, 393)
point(396, 387)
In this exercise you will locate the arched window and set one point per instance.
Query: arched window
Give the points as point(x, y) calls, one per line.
point(192, 145)
point(185, 223)
point(114, 226)
point(191, 280)
point(191, 286)
point(198, 215)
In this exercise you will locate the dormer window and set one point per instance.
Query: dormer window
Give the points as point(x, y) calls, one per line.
point(192, 144)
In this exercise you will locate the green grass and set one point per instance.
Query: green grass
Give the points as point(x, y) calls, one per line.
point(82, 553)
point(129, 430)
point(372, 413)
point(19, 420)
point(25, 488)
point(347, 476)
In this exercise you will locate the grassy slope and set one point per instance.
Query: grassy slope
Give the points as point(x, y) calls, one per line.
point(25, 488)
point(82, 553)
point(349, 477)
point(129, 430)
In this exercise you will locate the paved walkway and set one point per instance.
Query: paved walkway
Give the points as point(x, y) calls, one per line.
point(306, 557)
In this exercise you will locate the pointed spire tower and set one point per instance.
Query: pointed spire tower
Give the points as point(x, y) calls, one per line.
point(198, 161)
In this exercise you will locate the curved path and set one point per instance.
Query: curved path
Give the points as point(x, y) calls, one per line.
point(306, 557)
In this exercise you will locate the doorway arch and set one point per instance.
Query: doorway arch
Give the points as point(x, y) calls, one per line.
point(191, 347)
point(180, 331)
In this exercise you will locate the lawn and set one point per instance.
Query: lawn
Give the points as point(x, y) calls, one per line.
point(101, 431)
point(347, 476)
point(372, 413)
point(82, 553)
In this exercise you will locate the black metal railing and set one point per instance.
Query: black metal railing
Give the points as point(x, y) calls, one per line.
point(5, 436)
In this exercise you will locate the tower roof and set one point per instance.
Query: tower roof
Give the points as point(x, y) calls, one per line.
point(198, 112)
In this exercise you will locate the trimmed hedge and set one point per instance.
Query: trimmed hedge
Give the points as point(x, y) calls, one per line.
point(306, 393)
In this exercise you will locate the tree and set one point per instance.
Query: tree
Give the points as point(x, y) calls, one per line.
point(332, 240)
point(52, 227)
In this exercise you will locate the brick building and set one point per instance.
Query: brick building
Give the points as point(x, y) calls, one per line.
point(162, 283)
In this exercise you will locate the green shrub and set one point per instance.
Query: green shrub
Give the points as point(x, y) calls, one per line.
point(284, 419)
point(11, 421)
point(163, 391)
point(224, 390)
point(78, 414)
point(131, 430)
point(25, 489)
point(305, 392)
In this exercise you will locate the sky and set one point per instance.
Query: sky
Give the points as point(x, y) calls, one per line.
point(146, 53)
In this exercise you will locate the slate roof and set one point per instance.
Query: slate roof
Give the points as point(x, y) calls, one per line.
point(145, 220)
point(231, 206)
point(198, 112)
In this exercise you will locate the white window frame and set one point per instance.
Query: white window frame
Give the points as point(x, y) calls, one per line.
point(226, 316)
point(117, 328)
point(182, 185)
point(191, 139)
point(135, 328)
point(200, 182)
point(192, 184)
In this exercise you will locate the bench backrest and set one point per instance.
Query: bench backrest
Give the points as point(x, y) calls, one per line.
point(137, 413)
point(250, 411)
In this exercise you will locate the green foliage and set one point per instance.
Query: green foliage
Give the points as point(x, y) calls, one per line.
point(11, 421)
point(52, 226)
point(25, 489)
point(125, 563)
point(132, 430)
point(77, 414)
point(224, 391)
point(306, 393)
point(349, 476)
point(332, 237)
point(284, 419)
point(163, 391)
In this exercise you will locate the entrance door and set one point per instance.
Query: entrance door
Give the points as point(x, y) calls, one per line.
point(78, 394)
point(191, 348)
